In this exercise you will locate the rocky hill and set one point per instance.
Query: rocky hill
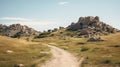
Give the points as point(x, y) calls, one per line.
point(15, 30)
point(91, 26)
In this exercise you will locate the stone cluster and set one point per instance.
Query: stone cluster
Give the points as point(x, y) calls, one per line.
point(90, 26)
point(16, 29)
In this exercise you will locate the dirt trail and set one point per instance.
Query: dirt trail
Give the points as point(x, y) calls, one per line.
point(61, 58)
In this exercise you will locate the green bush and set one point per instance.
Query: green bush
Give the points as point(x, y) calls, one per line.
point(116, 46)
point(81, 43)
point(43, 35)
point(84, 49)
point(107, 61)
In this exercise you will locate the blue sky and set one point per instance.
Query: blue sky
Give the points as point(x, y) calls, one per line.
point(48, 14)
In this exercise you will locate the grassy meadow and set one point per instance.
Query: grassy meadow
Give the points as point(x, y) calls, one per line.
point(33, 53)
point(96, 54)
point(17, 51)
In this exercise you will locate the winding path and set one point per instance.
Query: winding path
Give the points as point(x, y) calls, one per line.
point(61, 58)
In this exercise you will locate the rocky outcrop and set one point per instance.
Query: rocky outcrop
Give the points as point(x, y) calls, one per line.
point(90, 26)
point(16, 30)
point(92, 39)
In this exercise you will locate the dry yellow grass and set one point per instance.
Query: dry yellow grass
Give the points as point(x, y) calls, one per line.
point(96, 53)
point(17, 51)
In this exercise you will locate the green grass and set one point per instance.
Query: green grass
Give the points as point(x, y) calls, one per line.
point(27, 53)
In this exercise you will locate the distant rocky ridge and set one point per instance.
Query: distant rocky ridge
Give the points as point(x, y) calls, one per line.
point(15, 30)
point(86, 27)
point(90, 26)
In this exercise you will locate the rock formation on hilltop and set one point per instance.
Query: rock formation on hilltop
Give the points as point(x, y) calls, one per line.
point(90, 26)
point(16, 29)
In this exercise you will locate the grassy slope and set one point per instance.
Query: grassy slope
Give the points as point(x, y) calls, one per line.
point(27, 53)
point(96, 53)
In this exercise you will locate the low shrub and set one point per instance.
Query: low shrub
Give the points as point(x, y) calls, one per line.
point(114, 46)
point(82, 43)
point(107, 61)
point(84, 49)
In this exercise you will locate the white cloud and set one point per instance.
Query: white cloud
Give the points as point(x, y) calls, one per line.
point(41, 23)
point(38, 23)
point(14, 18)
point(63, 3)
